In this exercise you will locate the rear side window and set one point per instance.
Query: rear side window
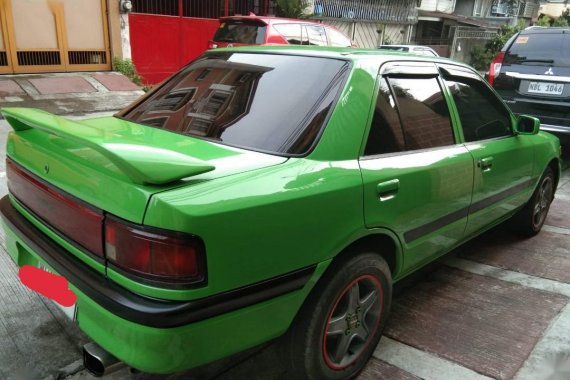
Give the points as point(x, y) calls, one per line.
point(336, 38)
point(423, 112)
point(247, 100)
point(410, 114)
point(316, 35)
point(242, 32)
point(292, 33)
point(481, 114)
point(541, 49)
point(386, 134)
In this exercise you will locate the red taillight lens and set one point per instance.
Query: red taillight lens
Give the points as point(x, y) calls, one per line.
point(77, 221)
point(495, 68)
point(212, 45)
point(153, 253)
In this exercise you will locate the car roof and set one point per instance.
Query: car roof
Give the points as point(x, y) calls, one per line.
point(545, 30)
point(344, 53)
point(268, 19)
point(405, 46)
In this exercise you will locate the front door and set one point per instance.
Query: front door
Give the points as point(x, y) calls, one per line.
point(501, 165)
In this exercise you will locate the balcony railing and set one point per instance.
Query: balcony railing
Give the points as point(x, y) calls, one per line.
point(386, 11)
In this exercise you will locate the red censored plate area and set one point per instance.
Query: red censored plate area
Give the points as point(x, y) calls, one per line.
point(48, 284)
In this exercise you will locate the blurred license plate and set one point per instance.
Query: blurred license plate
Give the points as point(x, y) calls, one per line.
point(546, 88)
point(69, 311)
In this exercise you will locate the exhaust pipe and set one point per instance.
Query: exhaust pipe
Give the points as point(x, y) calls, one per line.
point(98, 361)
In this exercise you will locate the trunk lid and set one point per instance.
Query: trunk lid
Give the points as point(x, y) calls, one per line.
point(116, 165)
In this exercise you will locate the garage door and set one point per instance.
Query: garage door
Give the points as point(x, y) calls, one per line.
point(53, 36)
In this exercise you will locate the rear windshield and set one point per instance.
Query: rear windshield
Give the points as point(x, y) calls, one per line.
point(263, 102)
point(241, 32)
point(541, 49)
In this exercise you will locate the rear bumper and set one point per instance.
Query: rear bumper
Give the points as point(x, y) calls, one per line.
point(156, 335)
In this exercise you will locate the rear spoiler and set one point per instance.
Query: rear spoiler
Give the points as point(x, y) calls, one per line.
point(143, 164)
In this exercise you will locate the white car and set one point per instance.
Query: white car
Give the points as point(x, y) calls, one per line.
point(416, 49)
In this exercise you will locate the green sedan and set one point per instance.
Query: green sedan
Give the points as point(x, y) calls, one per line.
point(261, 192)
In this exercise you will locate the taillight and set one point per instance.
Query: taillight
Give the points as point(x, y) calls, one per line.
point(495, 68)
point(154, 254)
point(69, 216)
point(212, 45)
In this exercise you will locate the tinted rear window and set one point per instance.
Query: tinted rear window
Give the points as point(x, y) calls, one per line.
point(264, 102)
point(242, 32)
point(542, 49)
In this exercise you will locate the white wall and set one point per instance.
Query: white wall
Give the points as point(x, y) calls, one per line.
point(446, 6)
point(364, 33)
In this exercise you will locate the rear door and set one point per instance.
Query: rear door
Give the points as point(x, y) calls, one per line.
point(502, 160)
point(417, 178)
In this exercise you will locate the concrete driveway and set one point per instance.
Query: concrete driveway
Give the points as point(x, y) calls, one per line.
point(498, 308)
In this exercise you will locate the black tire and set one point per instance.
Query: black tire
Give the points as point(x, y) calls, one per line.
point(353, 298)
point(530, 219)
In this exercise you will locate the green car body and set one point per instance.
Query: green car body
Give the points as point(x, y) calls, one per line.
point(270, 224)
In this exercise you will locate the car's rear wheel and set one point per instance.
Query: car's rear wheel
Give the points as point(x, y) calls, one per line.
point(341, 323)
point(531, 217)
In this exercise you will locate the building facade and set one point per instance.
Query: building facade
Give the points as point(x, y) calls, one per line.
point(58, 35)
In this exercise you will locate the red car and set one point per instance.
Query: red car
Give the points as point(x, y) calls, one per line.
point(256, 30)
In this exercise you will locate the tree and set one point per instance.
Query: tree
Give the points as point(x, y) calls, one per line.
point(564, 19)
point(560, 21)
point(292, 8)
point(543, 20)
point(481, 57)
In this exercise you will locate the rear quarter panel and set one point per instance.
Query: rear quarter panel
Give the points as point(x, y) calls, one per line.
point(268, 222)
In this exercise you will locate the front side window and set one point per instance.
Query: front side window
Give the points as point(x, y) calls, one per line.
point(482, 115)
point(264, 102)
point(423, 112)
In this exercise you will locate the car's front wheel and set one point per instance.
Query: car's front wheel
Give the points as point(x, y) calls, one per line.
point(340, 325)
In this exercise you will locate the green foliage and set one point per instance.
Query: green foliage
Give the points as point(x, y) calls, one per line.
point(128, 69)
point(561, 22)
point(292, 8)
point(543, 20)
point(481, 57)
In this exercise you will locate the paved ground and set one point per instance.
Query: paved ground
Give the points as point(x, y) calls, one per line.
point(498, 308)
point(65, 93)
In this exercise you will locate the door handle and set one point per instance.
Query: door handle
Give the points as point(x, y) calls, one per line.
point(387, 190)
point(485, 163)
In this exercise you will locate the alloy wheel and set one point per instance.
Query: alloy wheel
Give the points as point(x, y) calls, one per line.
point(352, 322)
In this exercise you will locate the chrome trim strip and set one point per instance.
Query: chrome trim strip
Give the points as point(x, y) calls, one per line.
point(554, 128)
point(548, 78)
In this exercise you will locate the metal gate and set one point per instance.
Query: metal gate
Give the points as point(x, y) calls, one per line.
point(465, 39)
point(53, 35)
point(167, 34)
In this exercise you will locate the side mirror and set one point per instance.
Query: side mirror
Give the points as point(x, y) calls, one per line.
point(527, 125)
